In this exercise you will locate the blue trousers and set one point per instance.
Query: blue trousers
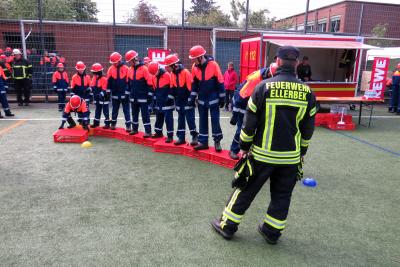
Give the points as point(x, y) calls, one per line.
point(144, 109)
point(106, 112)
point(235, 148)
point(125, 108)
point(395, 99)
point(215, 125)
point(184, 116)
point(167, 116)
point(61, 99)
point(4, 101)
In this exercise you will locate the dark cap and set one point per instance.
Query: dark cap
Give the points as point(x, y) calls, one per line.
point(288, 53)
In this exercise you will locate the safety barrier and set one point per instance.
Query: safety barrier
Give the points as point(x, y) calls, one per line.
point(79, 135)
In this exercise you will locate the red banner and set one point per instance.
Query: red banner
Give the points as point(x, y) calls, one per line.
point(158, 54)
point(378, 79)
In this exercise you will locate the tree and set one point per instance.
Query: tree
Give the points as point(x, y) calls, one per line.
point(85, 10)
point(257, 19)
point(206, 13)
point(145, 13)
point(76, 10)
point(379, 31)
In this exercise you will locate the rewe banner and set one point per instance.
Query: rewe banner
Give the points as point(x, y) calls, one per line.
point(378, 79)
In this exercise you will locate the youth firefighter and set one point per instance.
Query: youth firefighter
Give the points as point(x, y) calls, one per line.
point(80, 84)
point(240, 99)
point(118, 84)
point(101, 96)
point(208, 87)
point(141, 92)
point(279, 123)
point(164, 101)
point(181, 84)
point(78, 105)
point(3, 94)
point(60, 85)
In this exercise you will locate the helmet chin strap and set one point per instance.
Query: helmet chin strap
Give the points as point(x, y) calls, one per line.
point(199, 59)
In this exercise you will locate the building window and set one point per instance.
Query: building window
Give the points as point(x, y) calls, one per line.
point(310, 27)
point(300, 27)
point(335, 25)
point(322, 26)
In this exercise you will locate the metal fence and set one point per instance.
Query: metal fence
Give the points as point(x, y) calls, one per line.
point(72, 30)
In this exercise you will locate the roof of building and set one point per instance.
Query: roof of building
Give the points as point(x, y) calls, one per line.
point(336, 4)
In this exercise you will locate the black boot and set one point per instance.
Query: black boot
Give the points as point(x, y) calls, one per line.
point(107, 126)
point(8, 113)
point(271, 239)
point(133, 132)
point(391, 110)
point(195, 141)
point(217, 146)
point(146, 135)
point(20, 104)
point(113, 126)
point(169, 139)
point(1, 116)
point(157, 135)
point(128, 129)
point(180, 142)
point(233, 155)
point(216, 224)
point(95, 124)
point(201, 146)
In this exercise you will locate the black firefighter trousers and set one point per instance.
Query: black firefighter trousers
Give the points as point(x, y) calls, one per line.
point(23, 87)
point(282, 182)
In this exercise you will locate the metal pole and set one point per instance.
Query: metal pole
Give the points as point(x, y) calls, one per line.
point(44, 74)
point(21, 26)
point(113, 3)
point(183, 30)
point(306, 17)
point(246, 27)
point(360, 21)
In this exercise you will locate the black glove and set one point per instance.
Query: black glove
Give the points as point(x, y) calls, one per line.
point(234, 119)
point(244, 172)
point(300, 173)
point(221, 103)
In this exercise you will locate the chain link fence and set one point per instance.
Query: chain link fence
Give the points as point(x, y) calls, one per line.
point(52, 31)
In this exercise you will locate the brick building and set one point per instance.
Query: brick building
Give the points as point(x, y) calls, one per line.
point(345, 17)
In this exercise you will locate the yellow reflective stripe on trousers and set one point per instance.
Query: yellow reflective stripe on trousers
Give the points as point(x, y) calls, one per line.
point(232, 216)
point(272, 160)
point(244, 137)
point(313, 111)
point(251, 105)
point(305, 143)
point(277, 224)
point(279, 154)
point(229, 208)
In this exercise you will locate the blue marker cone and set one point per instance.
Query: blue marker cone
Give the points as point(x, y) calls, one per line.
point(310, 182)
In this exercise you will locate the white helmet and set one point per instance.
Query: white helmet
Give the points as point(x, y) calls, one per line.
point(17, 52)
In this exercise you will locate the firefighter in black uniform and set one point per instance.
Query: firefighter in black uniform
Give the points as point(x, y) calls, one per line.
point(279, 123)
point(22, 75)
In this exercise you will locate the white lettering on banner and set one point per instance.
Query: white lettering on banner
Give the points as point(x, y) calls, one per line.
point(160, 57)
point(378, 79)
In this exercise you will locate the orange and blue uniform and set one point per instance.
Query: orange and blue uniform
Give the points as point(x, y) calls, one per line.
point(3, 91)
point(181, 84)
point(240, 100)
point(141, 95)
point(164, 102)
point(395, 96)
point(118, 85)
point(80, 86)
point(82, 111)
point(101, 96)
point(208, 87)
point(60, 82)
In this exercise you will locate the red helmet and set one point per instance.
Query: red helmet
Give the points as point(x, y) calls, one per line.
point(153, 67)
point(1, 51)
point(398, 66)
point(80, 65)
point(131, 54)
point(75, 102)
point(196, 51)
point(115, 57)
point(3, 57)
point(60, 65)
point(171, 59)
point(272, 68)
point(146, 60)
point(8, 49)
point(96, 67)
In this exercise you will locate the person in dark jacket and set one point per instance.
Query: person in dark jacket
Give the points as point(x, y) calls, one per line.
point(22, 75)
point(304, 70)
